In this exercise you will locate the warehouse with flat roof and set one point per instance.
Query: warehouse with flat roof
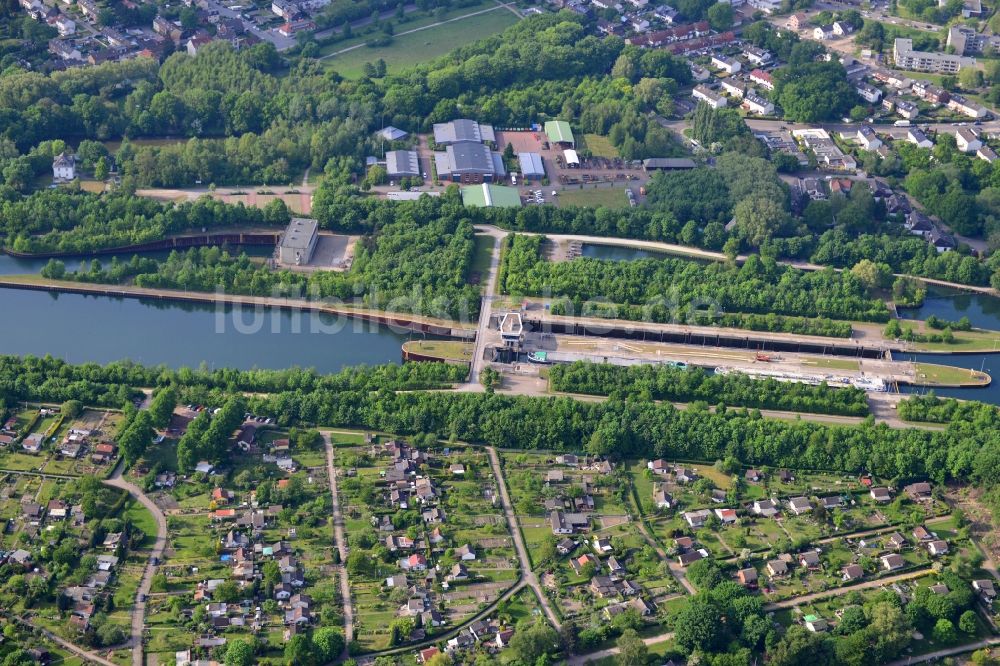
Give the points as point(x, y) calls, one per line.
point(491, 196)
point(402, 163)
point(298, 242)
point(531, 165)
point(558, 132)
point(667, 163)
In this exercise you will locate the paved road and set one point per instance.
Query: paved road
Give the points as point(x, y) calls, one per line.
point(529, 576)
point(483, 332)
point(840, 591)
point(341, 542)
point(593, 657)
point(139, 609)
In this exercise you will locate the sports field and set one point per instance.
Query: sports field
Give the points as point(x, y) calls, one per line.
point(426, 43)
point(594, 197)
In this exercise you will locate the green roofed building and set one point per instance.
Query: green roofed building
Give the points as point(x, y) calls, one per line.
point(491, 196)
point(558, 132)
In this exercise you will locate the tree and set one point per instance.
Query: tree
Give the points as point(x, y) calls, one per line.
point(697, 625)
point(300, 651)
point(239, 653)
point(968, 622)
point(872, 275)
point(631, 649)
point(720, 16)
point(72, 409)
point(801, 647)
point(101, 169)
point(161, 408)
point(759, 219)
point(533, 641)
point(944, 631)
point(329, 643)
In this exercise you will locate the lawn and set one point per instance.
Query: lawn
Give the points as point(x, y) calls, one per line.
point(833, 363)
point(406, 50)
point(481, 259)
point(608, 197)
point(930, 374)
point(599, 146)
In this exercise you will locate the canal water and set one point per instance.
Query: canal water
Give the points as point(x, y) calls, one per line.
point(82, 328)
point(618, 253)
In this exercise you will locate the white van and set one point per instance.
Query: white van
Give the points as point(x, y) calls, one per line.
point(513, 179)
point(902, 123)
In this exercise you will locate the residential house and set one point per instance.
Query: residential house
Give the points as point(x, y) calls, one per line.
point(697, 518)
point(799, 505)
point(823, 32)
point(757, 104)
point(579, 563)
point(603, 545)
point(685, 475)
point(880, 494)
point(852, 572)
point(756, 55)
point(985, 588)
point(691, 556)
point(726, 64)
point(662, 497)
point(892, 562)
point(776, 568)
point(705, 94)
point(918, 492)
point(747, 577)
point(797, 21)
point(920, 533)
point(842, 28)
point(968, 140)
point(726, 516)
point(565, 546)
point(937, 547)
point(733, 88)
point(895, 541)
point(868, 138)
point(660, 466)
point(753, 476)
point(986, 153)
point(809, 559)
point(766, 508)
point(815, 624)
point(465, 553)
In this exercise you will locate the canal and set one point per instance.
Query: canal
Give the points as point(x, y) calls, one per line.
point(100, 329)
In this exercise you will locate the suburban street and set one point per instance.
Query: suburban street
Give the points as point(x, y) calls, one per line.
point(139, 609)
point(340, 541)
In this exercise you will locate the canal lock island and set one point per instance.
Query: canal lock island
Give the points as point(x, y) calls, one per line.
point(499, 333)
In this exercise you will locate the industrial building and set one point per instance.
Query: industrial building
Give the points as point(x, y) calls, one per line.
point(298, 242)
point(560, 134)
point(402, 163)
point(531, 165)
point(467, 162)
point(462, 130)
point(491, 196)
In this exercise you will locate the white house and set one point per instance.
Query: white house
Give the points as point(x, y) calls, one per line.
point(868, 138)
point(727, 64)
point(917, 137)
point(967, 140)
point(63, 167)
point(757, 104)
point(709, 96)
point(823, 32)
point(869, 93)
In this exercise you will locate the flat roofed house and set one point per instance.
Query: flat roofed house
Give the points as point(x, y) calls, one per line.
point(299, 241)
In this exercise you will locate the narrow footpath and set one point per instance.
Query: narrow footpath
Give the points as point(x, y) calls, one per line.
point(522, 552)
point(139, 609)
point(340, 541)
point(840, 591)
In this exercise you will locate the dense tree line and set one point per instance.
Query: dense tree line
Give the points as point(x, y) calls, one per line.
point(661, 382)
point(933, 409)
point(415, 264)
point(207, 436)
point(675, 288)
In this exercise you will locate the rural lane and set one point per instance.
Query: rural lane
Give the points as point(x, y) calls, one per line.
point(139, 609)
point(522, 551)
point(839, 591)
point(341, 543)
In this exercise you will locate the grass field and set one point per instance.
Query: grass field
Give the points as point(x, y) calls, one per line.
point(599, 146)
point(481, 259)
point(447, 349)
point(409, 49)
point(608, 197)
point(833, 363)
point(929, 374)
